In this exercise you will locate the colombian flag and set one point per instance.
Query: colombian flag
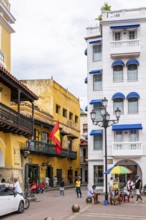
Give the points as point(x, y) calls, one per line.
point(55, 137)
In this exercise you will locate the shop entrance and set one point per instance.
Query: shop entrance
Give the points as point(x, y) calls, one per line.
point(32, 173)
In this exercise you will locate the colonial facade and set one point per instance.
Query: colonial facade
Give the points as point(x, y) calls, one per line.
point(116, 53)
point(64, 107)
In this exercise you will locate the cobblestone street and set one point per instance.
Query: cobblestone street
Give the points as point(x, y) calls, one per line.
point(59, 208)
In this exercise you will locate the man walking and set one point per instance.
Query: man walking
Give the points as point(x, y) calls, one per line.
point(138, 187)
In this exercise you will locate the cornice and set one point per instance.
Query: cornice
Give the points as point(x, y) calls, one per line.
point(6, 24)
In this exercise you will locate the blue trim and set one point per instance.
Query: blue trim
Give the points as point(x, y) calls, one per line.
point(86, 80)
point(118, 95)
point(125, 26)
point(96, 132)
point(96, 71)
point(95, 42)
point(125, 127)
point(133, 95)
point(85, 52)
point(96, 102)
point(118, 63)
point(132, 61)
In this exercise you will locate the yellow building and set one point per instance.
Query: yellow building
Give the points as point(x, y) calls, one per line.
point(15, 128)
point(65, 108)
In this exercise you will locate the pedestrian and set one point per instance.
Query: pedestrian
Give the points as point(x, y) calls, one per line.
point(138, 187)
point(55, 181)
point(47, 181)
point(41, 187)
point(78, 187)
point(92, 194)
point(110, 183)
point(62, 187)
point(17, 187)
point(130, 184)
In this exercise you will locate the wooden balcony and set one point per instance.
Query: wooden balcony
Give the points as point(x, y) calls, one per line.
point(47, 149)
point(15, 123)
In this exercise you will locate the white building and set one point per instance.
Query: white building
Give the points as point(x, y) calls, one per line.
point(116, 65)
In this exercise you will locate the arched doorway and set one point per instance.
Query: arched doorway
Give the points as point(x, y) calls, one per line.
point(132, 165)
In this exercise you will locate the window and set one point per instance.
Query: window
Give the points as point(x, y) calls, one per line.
point(132, 72)
point(118, 136)
point(69, 144)
point(44, 137)
point(118, 73)
point(70, 115)
point(97, 142)
point(97, 82)
point(118, 103)
point(97, 53)
point(132, 35)
point(98, 112)
point(98, 175)
point(117, 36)
point(132, 105)
point(133, 136)
point(85, 128)
point(64, 113)
point(57, 109)
point(76, 119)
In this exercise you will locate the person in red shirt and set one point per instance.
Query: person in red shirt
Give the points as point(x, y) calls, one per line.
point(42, 187)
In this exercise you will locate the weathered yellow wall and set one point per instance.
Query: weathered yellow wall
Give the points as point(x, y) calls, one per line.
point(51, 93)
point(5, 95)
point(6, 46)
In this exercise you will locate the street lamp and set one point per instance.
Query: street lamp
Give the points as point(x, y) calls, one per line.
point(105, 123)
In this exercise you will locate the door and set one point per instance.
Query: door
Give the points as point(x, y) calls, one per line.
point(59, 175)
point(32, 173)
point(49, 173)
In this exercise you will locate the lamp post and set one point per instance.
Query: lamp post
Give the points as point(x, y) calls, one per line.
point(105, 123)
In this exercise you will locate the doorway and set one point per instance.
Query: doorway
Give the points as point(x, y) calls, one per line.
point(49, 173)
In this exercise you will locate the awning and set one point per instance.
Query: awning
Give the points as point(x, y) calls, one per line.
point(86, 80)
point(96, 102)
point(133, 95)
point(118, 63)
point(118, 95)
point(125, 26)
point(85, 52)
point(125, 127)
point(95, 42)
point(96, 132)
point(132, 61)
point(96, 71)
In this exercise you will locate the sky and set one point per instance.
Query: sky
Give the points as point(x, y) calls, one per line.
point(49, 39)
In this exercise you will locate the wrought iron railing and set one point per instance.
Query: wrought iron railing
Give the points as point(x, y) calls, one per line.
point(48, 149)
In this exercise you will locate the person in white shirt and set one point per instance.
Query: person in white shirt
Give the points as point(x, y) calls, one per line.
point(17, 187)
point(130, 186)
point(92, 194)
point(47, 180)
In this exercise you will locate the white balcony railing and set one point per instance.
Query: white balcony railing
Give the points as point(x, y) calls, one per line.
point(125, 47)
point(127, 149)
point(124, 14)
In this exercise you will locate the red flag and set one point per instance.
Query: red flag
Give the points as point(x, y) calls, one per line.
point(55, 137)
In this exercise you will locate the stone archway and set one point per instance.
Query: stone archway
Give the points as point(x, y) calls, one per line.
point(2, 146)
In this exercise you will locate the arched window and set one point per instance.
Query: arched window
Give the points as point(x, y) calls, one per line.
point(132, 72)
point(132, 105)
point(133, 102)
point(118, 73)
